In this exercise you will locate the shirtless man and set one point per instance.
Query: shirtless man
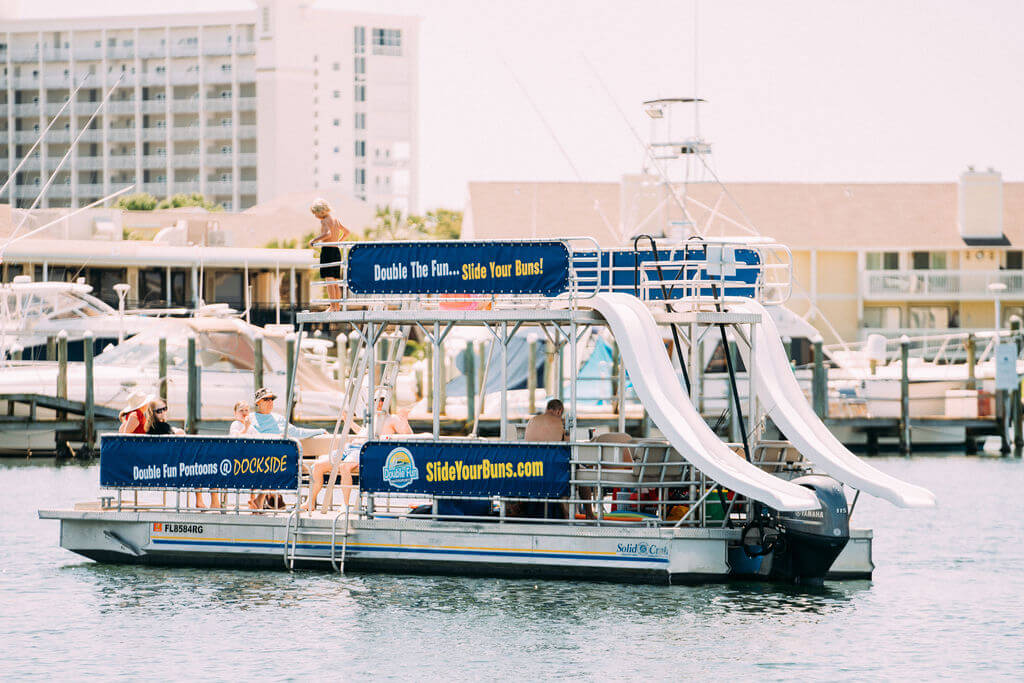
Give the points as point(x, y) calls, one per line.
point(331, 230)
point(397, 424)
point(548, 426)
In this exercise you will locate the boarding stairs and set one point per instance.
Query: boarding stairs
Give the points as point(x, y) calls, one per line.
point(356, 396)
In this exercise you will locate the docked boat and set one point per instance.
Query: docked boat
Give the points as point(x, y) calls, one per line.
point(685, 506)
point(225, 356)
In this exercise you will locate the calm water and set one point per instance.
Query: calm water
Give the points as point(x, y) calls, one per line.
point(947, 601)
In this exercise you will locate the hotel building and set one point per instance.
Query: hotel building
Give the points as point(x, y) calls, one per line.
point(241, 106)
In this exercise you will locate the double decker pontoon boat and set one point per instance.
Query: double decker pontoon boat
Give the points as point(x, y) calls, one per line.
point(675, 505)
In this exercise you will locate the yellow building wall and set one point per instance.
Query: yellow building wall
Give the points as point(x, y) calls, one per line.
point(842, 314)
point(837, 273)
point(977, 314)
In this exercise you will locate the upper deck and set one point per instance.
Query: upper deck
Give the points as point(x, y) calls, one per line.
point(549, 280)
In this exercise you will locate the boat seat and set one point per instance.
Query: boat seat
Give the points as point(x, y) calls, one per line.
point(616, 463)
point(657, 461)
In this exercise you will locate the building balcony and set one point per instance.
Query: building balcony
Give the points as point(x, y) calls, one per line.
point(121, 161)
point(185, 133)
point(158, 161)
point(157, 189)
point(186, 161)
point(121, 135)
point(154, 106)
point(218, 104)
point(185, 106)
point(940, 285)
point(247, 159)
point(186, 187)
point(89, 163)
point(155, 134)
point(220, 160)
point(121, 107)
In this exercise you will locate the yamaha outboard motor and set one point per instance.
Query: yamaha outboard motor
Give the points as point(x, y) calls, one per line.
point(801, 546)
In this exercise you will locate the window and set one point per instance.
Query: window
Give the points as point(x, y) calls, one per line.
point(360, 93)
point(1014, 260)
point(337, 149)
point(387, 41)
point(928, 260)
point(883, 260)
point(225, 67)
point(360, 120)
point(359, 39)
point(336, 66)
point(360, 66)
point(337, 122)
point(360, 176)
point(337, 177)
point(337, 94)
point(882, 317)
point(360, 148)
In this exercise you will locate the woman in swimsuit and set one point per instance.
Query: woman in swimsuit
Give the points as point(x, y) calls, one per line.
point(331, 230)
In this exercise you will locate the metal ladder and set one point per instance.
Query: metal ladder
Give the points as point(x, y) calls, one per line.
point(391, 366)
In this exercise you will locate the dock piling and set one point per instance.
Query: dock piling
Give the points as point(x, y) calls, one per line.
point(905, 445)
point(90, 395)
point(341, 353)
point(51, 348)
point(531, 375)
point(162, 380)
point(289, 345)
point(972, 362)
point(819, 382)
point(62, 370)
point(469, 359)
point(192, 395)
point(257, 365)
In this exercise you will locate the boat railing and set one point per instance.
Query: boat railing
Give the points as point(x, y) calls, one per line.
point(939, 349)
point(641, 483)
point(701, 273)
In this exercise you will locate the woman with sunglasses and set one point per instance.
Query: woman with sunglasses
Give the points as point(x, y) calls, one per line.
point(156, 423)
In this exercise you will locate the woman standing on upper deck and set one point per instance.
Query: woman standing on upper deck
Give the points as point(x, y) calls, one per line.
point(331, 230)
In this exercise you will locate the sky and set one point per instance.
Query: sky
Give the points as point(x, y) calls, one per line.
point(798, 91)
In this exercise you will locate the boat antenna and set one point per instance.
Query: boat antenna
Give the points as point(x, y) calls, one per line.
point(647, 149)
point(67, 155)
point(42, 135)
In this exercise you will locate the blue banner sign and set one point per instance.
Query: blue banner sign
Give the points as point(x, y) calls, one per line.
point(522, 470)
point(198, 462)
point(459, 268)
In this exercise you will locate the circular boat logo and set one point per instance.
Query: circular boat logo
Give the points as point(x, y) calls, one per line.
point(399, 468)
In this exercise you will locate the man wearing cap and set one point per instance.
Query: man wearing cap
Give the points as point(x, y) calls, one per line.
point(268, 422)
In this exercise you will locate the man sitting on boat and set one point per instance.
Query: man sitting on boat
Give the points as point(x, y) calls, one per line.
point(548, 426)
point(267, 422)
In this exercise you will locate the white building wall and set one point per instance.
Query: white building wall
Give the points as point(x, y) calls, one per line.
point(215, 103)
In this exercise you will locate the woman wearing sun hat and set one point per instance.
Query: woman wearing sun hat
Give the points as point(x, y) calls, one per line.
point(135, 423)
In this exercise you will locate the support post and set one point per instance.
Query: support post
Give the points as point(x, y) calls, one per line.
point(162, 380)
point(560, 380)
point(257, 366)
point(698, 376)
point(442, 378)
point(90, 395)
point(289, 344)
point(531, 376)
point(429, 358)
point(819, 382)
point(469, 360)
point(191, 403)
point(905, 445)
point(735, 435)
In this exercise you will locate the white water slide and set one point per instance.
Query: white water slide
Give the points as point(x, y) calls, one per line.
point(778, 390)
point(670, 408)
